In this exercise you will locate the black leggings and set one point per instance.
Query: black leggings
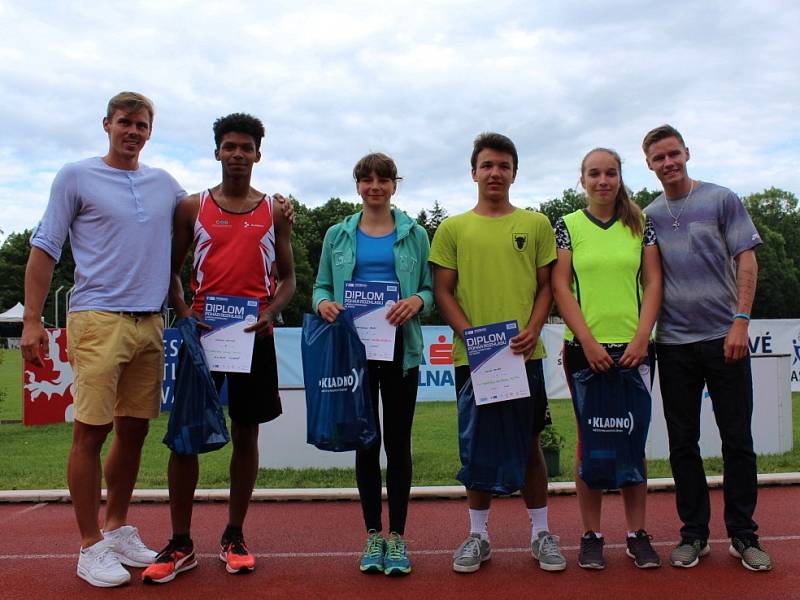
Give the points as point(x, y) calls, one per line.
point(399, 396)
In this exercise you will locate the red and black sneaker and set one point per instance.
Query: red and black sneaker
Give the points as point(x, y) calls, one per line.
point(236, 556)
point(170, 561)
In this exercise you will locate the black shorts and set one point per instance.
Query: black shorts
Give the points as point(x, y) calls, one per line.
point(253, 397)
point(535, 372)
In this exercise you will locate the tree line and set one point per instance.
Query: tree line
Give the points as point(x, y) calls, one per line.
point(775, 213)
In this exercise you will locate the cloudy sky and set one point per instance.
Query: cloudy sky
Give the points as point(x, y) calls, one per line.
point(417, 80)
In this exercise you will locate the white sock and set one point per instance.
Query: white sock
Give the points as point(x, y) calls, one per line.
point(597, 534)
point(631, 534)
point(538, 521)
point(479, 522)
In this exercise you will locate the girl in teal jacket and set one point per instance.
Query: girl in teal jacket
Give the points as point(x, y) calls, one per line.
point(381, 243)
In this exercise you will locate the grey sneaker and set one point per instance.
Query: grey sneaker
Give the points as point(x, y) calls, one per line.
point(545, 549)
point(687, 554)
point(753, 556)
point(471, 553)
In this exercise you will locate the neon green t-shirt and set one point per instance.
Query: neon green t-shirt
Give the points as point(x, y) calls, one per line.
point(496, 259)
point(606, 268)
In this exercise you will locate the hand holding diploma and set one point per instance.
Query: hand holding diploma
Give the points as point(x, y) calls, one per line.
point(404, 310)
point(262, 326)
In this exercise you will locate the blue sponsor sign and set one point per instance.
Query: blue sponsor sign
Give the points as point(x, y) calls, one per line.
point(172, 347)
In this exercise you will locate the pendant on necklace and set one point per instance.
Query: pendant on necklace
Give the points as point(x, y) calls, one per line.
point(675, 224)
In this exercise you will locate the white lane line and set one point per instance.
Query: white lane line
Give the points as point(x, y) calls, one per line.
point(24, 510)
point(412, 550)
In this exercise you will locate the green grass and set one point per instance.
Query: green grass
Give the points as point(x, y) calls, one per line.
point(11, 384)
point(35, 457)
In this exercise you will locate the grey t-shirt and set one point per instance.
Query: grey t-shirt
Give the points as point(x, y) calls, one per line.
point(699, 270)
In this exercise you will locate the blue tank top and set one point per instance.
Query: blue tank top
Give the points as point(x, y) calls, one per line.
point(375, 257)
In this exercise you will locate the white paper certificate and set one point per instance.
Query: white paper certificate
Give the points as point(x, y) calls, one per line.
point(497, 374)
point(228, 347)
point(370, 301)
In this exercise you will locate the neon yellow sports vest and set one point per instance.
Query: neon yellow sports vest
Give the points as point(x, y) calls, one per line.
point(606, 268)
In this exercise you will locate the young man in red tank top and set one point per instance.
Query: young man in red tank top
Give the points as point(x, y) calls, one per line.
point(242, 247)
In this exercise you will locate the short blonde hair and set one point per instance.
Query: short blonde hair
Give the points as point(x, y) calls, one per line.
point(130, 102)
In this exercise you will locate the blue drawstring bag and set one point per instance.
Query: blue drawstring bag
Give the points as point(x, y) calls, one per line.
point(196, 423)
point(338, 401)
point(494, 441)
point(613, 412)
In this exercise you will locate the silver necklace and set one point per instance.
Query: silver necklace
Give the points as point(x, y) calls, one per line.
point(676, 218)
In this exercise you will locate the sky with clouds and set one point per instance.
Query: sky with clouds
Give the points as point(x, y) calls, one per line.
point(335, 80)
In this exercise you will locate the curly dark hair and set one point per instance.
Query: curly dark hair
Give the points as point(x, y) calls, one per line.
point(239, 123)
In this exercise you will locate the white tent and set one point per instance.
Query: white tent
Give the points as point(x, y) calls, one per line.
point(13, 314)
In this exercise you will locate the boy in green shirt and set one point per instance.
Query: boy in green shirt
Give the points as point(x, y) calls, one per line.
point(492, 264)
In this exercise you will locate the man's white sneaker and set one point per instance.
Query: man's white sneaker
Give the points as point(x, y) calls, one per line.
point(130, 548)
point(99, 565)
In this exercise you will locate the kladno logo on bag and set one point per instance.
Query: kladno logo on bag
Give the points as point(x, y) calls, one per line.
point(612, 424)
point(341, 383)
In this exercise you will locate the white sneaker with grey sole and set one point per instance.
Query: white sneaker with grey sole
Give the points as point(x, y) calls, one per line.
point(130, 548)
point(99, 565)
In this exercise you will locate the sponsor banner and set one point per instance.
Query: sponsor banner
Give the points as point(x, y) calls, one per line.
point(47, 393)
point(436, 373)
point(553, 363)
point(778, 336)
point(47, 390)
point(172, 346)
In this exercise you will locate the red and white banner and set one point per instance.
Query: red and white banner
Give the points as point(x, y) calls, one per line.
point(47, 390)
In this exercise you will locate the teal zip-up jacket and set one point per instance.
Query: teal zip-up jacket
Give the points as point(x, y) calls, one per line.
point(411, 249)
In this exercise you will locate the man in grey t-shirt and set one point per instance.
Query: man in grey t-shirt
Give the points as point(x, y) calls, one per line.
point(707, 243)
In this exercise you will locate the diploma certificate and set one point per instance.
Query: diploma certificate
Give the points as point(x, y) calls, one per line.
point(370, 301)
point(228, 347)
point(497, 374)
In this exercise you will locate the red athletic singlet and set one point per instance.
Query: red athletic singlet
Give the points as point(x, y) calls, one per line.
point(234, 253)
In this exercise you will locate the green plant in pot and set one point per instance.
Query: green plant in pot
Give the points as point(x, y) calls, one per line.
point(551, 442)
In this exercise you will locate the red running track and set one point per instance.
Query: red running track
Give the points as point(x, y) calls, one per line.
point(311, 549)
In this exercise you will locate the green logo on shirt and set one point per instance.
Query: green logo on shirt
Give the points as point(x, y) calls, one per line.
point(520, 241)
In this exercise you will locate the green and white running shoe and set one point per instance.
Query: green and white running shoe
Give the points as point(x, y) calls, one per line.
point(687, 554)
point(395, 561)
point(374, 551)
point(753, 556)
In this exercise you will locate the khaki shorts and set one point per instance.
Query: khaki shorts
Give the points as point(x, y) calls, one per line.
point(118, 365)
